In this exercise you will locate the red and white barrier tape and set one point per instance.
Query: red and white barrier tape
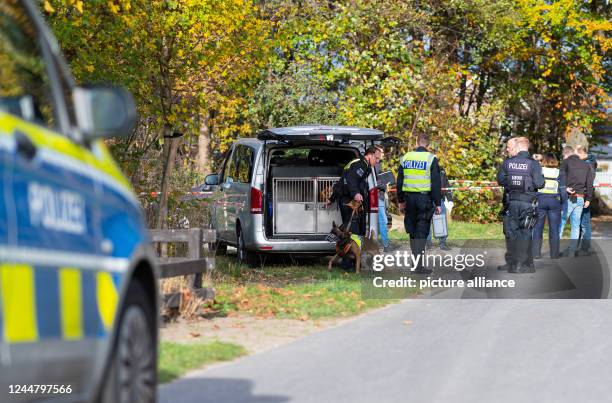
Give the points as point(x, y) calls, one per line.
point(155, 194)
point(392, 189)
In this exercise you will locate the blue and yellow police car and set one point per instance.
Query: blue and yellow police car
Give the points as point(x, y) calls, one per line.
point(78, 285)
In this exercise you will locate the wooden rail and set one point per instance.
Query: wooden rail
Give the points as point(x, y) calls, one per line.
point(196, 263)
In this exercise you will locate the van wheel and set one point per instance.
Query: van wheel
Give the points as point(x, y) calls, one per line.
point(132, 375)
point(244, 256)
point(218, 247)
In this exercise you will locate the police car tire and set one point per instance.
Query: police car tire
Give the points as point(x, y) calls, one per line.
point(135, 347)
point(243, 255)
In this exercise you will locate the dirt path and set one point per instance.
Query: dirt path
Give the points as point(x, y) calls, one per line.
point(252, 333)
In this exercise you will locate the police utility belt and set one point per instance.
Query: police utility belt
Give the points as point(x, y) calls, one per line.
point(516, 196)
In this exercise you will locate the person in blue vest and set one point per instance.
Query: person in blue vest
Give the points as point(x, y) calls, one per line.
point(419, 195)
point(550, 201)
point(521, 176)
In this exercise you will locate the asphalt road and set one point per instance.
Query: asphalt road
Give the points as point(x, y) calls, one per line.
point(441, 350)
point(429, 351)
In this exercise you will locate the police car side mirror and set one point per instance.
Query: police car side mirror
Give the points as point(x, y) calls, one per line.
point(104, 111)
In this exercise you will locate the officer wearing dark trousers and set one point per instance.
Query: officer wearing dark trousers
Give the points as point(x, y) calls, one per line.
point(511, 152)
point(521, 176)
point(419, 195)
point(354, 186)
point(550, 201)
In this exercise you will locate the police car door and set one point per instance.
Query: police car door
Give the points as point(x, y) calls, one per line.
point(47, 286)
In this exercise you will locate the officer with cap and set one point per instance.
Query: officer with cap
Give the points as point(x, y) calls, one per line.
point(419, 195)
point(521, 176)
point(354, 186)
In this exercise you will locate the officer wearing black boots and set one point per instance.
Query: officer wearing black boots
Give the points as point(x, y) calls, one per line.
point(419, 193)
point(521, 176)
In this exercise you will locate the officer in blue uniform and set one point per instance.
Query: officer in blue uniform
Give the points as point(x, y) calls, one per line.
point(521, 176)
point(419, 194)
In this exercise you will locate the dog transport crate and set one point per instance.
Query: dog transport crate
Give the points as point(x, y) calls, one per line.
point(299, 206)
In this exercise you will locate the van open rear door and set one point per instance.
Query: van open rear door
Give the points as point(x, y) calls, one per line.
point(339, 134)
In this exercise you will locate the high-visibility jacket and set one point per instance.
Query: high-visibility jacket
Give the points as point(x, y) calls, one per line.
point(551, 184)
point(417, 171)
point(348, 165)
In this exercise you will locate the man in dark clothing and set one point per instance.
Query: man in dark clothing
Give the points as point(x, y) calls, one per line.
point(521, 176)
point(579, 180)
point(567, 152)
point(419, 195)
point(585, 220)
point(354, 186)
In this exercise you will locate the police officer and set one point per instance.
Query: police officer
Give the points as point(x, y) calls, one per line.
point(550, 201)
point(419, 195)
point(354, 186)
point(521, 176)
point(505, 214)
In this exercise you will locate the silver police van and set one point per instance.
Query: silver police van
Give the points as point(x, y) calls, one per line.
point(270, 194)
point(78, 285)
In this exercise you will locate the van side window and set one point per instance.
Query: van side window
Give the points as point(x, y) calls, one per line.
point(245, 165)
point(227, 166)
point(25, 88)
point(241, 168)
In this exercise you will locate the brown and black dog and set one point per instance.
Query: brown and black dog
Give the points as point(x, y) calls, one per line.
point(348, 246)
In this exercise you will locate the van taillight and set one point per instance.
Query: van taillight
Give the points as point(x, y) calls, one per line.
point(374, 200)
point(256, 201)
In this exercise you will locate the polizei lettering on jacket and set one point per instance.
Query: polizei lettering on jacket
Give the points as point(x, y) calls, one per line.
point(518, 166)
point(59, 210)
point(415, 165)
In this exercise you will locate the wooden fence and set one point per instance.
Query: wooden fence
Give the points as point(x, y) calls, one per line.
point(194, 265)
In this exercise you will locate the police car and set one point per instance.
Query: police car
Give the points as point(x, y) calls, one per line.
point(78, 299)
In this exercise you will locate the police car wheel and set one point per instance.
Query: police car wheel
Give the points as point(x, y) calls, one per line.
point(133, 373)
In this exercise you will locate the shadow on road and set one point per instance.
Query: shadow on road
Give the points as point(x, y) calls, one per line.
point(197, 389)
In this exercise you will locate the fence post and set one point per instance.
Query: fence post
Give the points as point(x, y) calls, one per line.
point(194, 246)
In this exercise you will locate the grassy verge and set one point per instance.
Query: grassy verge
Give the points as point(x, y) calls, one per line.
point(463, 230)
point(466, 230)
point(295, 290)
point(176, 359)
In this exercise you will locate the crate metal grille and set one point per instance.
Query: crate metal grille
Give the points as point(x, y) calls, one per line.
point(299, 205)
point(293, 190)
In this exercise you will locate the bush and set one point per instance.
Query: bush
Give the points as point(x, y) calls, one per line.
point(480, 207)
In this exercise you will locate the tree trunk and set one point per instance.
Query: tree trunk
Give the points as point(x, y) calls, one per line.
point(170, 148)
point(203, 161)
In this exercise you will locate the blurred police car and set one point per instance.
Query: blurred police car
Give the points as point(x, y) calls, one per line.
point(78, 297)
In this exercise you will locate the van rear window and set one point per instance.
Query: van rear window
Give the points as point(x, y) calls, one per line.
point(311, 157)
